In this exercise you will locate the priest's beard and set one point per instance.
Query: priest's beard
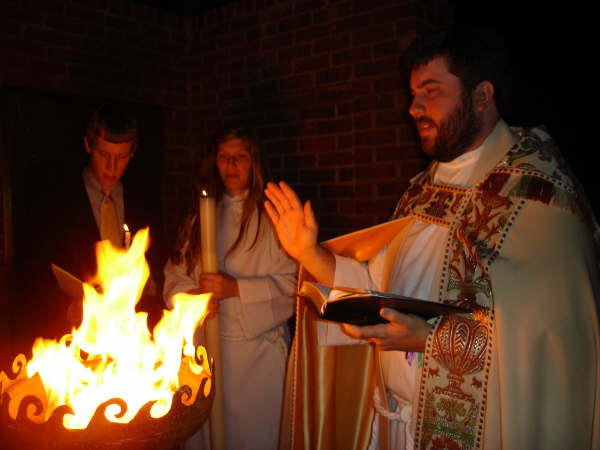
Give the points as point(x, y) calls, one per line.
point(455, 134)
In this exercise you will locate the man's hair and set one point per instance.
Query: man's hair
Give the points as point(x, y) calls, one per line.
point(473, 55)
point(113, 122)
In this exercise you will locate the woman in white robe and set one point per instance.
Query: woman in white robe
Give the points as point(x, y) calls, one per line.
point(253, 292)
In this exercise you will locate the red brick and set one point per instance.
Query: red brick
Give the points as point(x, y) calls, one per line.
point(380, 67)
point(336, 190)
point(375, 33)
point(352, 23)
point(287, 175)
point(389, 117)
point(313, 32)
point(352, 56)
point(335, 159)
point(347, 206)
point(285, 146)
point(372, 102)
point(324, 205)
point(387, 48)
point(296, 51)
point(364, 189)
point(410, 168)
point(363, 155)
point(362, 121)
point(392, 188)
point(376, 171)
point(334, 126)
point(376, 137)
point(276, 41)
point(312, 63)
point(370, 5)
point(317, 144)
point(345, 141)
point(302, 81)
point(306, 191)
point(318, 112)
point(331, 43)
point(334, 75)
point(300, 160)
point(395, 12)
point(346, 174)
point(375, 206)
point(309, 5)
point(333, 11)
point(392, 82)
point(294, 22)
point(335, 94)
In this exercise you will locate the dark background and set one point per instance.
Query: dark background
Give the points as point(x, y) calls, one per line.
point(554, 72)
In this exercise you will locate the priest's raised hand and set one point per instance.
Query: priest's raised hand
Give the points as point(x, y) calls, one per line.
point(297, 229)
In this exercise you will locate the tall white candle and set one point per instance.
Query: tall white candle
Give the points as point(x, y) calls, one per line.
point(208, 233)
point(212, 327)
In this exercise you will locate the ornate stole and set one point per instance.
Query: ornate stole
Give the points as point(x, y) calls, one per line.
point(457, 360)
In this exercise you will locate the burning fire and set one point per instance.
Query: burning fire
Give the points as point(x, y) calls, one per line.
point(112, 354)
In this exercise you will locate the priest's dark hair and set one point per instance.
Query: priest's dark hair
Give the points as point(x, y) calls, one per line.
point(187, 247)
point(473, 55)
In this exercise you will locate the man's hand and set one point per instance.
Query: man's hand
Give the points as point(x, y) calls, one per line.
point(405, 332)
point(220, 284)
point(297, 230)
point(295, 224)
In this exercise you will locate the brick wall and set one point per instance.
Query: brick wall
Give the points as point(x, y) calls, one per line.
point(317, 79)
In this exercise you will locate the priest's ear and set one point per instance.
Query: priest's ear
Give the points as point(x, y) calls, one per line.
point(87, 145)
point(483, 96)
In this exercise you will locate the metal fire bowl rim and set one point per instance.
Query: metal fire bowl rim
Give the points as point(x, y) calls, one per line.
point(142, 432)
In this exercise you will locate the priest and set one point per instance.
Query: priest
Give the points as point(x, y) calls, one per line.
point(497, 224)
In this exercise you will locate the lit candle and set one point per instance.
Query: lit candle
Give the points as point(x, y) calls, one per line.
point(212, 327)
point(208, 233)
point(127, 236)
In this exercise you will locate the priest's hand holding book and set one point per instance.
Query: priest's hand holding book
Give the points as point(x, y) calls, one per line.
point(405, 332)
point(297, 230)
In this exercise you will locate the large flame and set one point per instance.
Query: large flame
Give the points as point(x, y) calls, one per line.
point(112, 354)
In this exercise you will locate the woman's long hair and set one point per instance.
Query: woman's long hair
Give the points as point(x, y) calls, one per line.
point(210, 179)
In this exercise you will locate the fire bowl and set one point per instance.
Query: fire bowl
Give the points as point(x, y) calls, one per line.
point(143, 432)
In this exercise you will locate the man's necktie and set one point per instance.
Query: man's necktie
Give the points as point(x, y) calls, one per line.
point(109, 225)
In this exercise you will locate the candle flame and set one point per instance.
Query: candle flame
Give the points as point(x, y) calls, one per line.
point(125, 227)
point(204, 193)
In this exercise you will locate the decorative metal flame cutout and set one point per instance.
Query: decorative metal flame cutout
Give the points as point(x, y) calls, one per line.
point(143, 432)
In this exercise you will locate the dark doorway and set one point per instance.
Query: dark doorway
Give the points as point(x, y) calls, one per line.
point(41, 139)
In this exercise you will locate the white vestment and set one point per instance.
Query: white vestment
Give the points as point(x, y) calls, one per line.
point(254, 334)
point(543, 279)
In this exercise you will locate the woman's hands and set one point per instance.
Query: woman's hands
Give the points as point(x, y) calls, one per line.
point(221, 285)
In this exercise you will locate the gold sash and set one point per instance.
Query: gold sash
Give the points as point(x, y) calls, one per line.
point(328, 401)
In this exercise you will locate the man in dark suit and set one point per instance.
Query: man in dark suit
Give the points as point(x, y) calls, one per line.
point(91, 206)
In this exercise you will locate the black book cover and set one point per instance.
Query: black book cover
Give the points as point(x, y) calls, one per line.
point(361, 306)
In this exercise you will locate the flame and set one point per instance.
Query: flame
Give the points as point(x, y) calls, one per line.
point(112, 354)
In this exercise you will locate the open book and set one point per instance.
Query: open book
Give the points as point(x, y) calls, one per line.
point(361, 306)
point(68, 282)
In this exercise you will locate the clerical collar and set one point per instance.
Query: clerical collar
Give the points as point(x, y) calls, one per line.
point(459, 169)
